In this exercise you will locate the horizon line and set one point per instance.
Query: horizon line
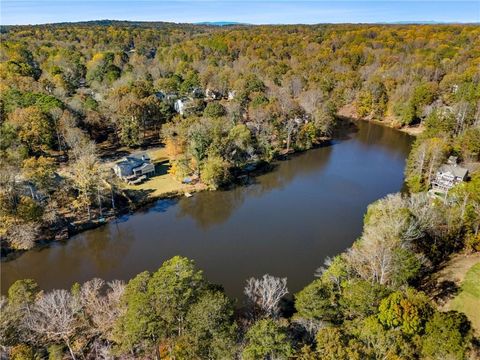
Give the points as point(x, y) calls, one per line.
point(224, 23)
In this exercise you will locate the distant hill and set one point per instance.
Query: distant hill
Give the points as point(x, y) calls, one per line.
point(137, 24)
point(219, 23)
point(426, 22)
point(106, 22)
point(205, 24)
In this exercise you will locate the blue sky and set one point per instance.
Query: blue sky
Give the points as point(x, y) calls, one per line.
point(253, 12)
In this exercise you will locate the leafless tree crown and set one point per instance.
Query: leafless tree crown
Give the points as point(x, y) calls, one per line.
point(265, 294)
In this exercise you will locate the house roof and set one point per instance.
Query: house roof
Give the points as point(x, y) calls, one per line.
point(457, 171)
point(127, 164)
point(144, 166)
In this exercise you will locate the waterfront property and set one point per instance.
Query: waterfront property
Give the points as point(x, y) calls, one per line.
point(240, 232)
point(134, 168)
point(449, 175)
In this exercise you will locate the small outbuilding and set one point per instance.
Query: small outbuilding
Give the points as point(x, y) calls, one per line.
point(160, 95)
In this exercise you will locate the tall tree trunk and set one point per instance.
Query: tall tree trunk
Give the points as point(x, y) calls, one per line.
point(113, 198)
point(99, 202)
point(70, 349)
point(144, 128)
point(289, 136)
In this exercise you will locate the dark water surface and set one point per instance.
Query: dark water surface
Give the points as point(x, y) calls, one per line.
point(284, 224)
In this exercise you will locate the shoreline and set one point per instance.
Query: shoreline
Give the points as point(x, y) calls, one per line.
point(349, 113)
point(76, 227)
point(410, 130)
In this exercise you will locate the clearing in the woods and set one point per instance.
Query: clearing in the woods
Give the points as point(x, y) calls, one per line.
point(463, 274)
point(163, 183)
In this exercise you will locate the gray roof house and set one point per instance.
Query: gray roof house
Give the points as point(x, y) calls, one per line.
point(160, 95)
point(449, 175)
point(134, 168)
point(198, 93)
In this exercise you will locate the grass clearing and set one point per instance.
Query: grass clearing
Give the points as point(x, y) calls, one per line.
point(457, 287)
point(162, 183)
point(468, 299)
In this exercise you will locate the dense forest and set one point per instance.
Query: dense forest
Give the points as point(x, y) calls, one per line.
point(220, 99)
point(73, 94)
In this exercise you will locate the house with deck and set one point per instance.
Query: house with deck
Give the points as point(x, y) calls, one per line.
point(449, 175)
point(134, 168)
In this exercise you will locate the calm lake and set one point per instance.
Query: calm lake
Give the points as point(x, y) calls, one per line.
point(285, 223)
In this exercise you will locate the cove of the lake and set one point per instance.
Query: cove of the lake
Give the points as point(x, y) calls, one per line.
point(285, 223)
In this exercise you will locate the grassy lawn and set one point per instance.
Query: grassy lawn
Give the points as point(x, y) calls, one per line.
point(468, 299)
point(162, 183)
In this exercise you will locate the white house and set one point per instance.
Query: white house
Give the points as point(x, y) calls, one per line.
point(449, 175)
point(231, 94)
point(180, 105)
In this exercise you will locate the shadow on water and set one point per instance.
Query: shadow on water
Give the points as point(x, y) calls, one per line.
point(396, 142)
point(100, 255)
point(373, 135)
point(161, 206)
point(88, 255)
point(209, 209)
point(122, 218)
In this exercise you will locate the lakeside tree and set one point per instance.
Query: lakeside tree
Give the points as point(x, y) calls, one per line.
point(55, 317)
point(446, 336)
point(41, 171)
point(175, 312)
point(267, 339)
point(384, 252)
point(407, 311)
point(264, 295)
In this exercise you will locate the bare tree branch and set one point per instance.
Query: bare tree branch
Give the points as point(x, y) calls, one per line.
point(265, 294)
